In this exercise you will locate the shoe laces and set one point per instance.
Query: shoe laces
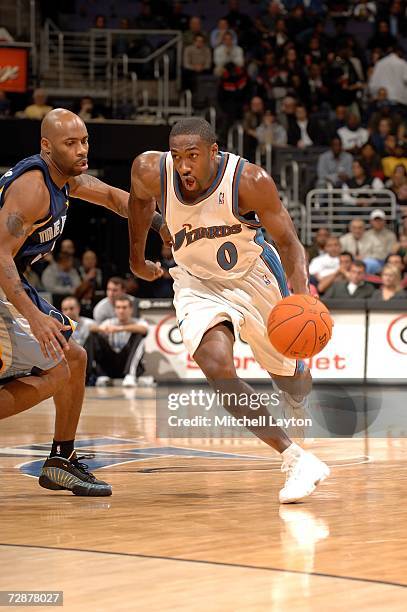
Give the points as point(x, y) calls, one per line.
point(293, 469)
point(83, 467)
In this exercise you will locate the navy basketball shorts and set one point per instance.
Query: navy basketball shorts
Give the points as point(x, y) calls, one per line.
point(20, 352)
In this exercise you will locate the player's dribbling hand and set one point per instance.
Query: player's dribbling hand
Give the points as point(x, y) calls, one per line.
point(48, 332)
point(148, 271)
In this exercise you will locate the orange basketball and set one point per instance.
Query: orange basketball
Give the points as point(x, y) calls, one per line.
point(299, 326)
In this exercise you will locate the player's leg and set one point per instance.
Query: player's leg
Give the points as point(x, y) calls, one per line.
point(63, 469)
point(23, 393)
point(215, 358)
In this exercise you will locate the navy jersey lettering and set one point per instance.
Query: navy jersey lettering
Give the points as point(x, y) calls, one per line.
point(46, 230)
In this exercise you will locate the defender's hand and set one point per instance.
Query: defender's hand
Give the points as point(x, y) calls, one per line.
point(48, 332)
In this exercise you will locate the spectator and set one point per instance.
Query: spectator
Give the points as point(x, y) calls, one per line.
point(381, 241)
point(87, 110)
point(270, 131)
point(105, 308)
point(355, 287)
point(382, 39)
point(319, 243)
point(227, 53)
point(239, 21)
point(61, 278)
point(371, 160)
point(91, 277)
point(352, 135)
point(195, 27)
point(286, 116)
point(397, 260)
point(397, 19)
point(84, 326)
point(378, 137)
point(334, 166)
point(197, 60)
point(398, 184)
point(117, 345)
point(395, 157)
point(4, 105)
point(327, 263)
point(339, 121)
point(251, 121)
point(341, 274)
point(39, 108)
point(218, 33)
point(67, 247)
point(100, 22)
point(365, 11)
point(360, 180)
point(391, 288)
point(303, 132)
point(355, 241)
point(391, 73)
point(267, 21)
point(177, 19)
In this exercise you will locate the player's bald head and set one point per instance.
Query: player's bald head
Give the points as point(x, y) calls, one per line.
point(59, 122)
point(64, 142)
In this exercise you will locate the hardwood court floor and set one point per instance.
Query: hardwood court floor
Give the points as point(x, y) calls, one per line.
point(188, 530)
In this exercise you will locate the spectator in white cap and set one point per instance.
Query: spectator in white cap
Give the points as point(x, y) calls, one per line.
point(381, 241)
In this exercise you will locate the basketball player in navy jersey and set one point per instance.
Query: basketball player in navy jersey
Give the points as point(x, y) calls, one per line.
point(38, 358)
point(227, 277)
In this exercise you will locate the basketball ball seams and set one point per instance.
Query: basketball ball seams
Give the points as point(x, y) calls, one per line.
point(271, 329)
point(329, 327)
point(300, 332)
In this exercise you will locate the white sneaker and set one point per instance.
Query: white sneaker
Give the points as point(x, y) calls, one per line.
point(103, 381)
point(146, 381)
point(129, 381)
point(304, 472)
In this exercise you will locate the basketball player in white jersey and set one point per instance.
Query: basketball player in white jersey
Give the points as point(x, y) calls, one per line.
point(227, 277)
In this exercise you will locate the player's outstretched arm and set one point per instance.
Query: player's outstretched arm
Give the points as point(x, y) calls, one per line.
point(258, 193)
point(93, 190)
point(144, 192)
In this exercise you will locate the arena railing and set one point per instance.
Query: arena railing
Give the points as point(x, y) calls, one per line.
point(331, 208)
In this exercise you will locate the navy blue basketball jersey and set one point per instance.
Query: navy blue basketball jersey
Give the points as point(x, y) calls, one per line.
point(46, 230)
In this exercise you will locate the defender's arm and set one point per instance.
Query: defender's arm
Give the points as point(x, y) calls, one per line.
point(93, 190)
point(258, 193)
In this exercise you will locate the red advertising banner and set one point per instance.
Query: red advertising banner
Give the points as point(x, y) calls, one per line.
point(13, 69)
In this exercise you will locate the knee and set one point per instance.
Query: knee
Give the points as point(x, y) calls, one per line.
point(77, 357)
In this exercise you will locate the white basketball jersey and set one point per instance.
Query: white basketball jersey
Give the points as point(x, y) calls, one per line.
point(211, 239)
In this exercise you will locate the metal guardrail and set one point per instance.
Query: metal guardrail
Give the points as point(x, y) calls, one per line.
point(330, 208)
point(235, 139)
point(263, 157)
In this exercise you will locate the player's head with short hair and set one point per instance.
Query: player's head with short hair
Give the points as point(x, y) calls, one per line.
point(195, 154)
point(194, 126)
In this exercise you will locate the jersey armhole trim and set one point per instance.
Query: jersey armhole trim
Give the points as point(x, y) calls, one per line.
point(163, 183)
point(235, 196)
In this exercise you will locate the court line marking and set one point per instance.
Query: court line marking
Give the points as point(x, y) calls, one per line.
point(206, 562)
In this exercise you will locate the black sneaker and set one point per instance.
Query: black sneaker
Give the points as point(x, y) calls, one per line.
point(59, 474)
